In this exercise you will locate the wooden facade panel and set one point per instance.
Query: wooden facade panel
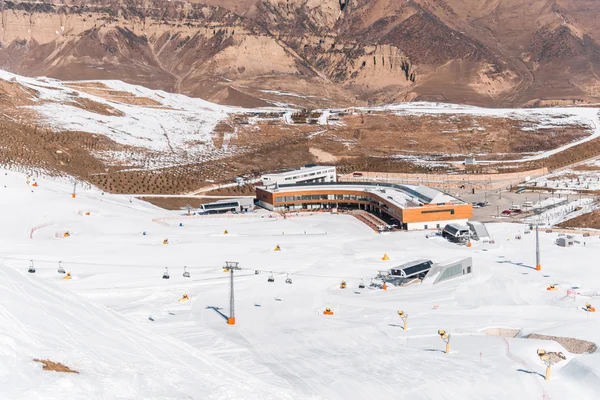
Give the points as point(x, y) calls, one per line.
point(437, 213)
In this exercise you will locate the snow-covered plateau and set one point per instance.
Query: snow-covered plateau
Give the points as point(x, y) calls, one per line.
point(120, 325)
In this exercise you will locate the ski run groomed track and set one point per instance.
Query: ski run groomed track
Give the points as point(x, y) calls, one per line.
point(282, 346)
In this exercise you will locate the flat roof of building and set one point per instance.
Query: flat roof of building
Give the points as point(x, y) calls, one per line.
point(400, 195)
point(301, 170)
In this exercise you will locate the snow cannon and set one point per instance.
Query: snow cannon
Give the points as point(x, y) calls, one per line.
point(185, 273)
point(327, 311)
point(181, 224)
point(61, 270)
point(288, 279)
point(271, 278)
point(66, 234)
point(552, 288)
point(343, 285)
point(225, 232)
point(385, 257)
point(384, 286)
point(166, 274)
point(225, 269)
point(31, 268)
point(547, 360)
point(184, 299)
point(35, 184)
point(166, 241)
point(144, 233)
point(404, 317)
point(361, 285)
point(67, 276)
point(469, 244)
point(590, 308)
point(445, 336)
point(277, 248)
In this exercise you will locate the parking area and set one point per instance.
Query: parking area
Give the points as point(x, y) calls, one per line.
point(500, 201)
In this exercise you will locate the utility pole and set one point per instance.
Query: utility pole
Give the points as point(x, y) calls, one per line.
point(498, 210)
point(538, 265)
point(231, 266)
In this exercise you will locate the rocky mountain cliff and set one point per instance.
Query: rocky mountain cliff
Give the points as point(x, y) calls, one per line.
point(316, 52)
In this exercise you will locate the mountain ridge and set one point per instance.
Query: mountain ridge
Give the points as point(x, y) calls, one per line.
point(336, 52)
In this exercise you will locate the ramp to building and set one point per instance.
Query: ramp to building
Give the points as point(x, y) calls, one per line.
point(478, 230)
point(370, 220)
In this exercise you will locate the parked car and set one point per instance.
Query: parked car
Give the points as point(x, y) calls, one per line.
point(483, 204)
point(517, 211)
point(475, 204)
point(506, 213)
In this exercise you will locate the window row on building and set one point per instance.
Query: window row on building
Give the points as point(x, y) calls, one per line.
point(304, 197)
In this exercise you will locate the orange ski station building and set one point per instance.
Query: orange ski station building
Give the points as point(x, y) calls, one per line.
point(413, 206)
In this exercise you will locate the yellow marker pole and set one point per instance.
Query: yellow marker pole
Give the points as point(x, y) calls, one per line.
point(447, 348)
point(547, 373)
point(405, 323)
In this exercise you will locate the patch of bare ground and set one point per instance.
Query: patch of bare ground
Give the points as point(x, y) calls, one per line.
point(575, 346)
point(580, 152)
point(119, 96)
point(95, 107)
point(379, 134)
point(589, 220)
point(242, 190)
point(586, 168)
point(79, 85)
point(16, 94)
point(178, 203)
point(55, 366)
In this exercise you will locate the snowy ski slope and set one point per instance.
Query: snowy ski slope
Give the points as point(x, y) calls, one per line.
point(282, 345)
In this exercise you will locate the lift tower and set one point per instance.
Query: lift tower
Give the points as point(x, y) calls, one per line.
point(231, 266)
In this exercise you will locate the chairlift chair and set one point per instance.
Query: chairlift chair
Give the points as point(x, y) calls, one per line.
point(271, 278)
point(31, 269)
point(61, 270)
point(166, 274)
point(361, 285)
point(185, 273)
point(288, 279)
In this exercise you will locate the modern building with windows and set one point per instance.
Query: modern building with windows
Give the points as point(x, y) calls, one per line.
point(413, 207)
point(307, 174)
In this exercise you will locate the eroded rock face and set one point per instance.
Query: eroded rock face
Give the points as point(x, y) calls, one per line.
point(336, 52)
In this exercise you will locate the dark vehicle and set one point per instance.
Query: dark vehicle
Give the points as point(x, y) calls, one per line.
point(506, 213)
point(483, 204)
point(517, 211)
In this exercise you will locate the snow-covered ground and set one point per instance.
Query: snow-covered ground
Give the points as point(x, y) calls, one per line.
point(282, 346)
point(585, 176)
point(562, 210)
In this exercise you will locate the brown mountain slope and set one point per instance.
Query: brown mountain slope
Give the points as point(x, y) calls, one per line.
point(324, 52)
